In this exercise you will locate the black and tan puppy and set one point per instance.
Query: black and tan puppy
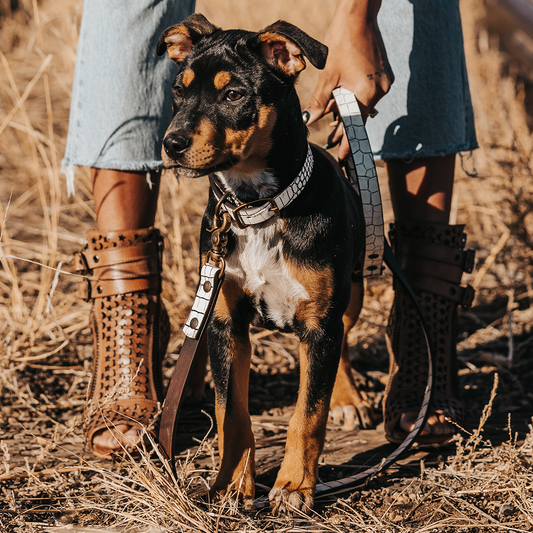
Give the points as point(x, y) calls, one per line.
point(237, 117)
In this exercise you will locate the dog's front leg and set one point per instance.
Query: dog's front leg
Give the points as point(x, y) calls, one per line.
point(230, 354)
point(296, 481)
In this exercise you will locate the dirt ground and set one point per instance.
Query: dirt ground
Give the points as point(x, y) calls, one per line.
point(50, 482)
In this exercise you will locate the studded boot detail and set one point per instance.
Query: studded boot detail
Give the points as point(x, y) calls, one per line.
point(130, 328)
point(433, 259)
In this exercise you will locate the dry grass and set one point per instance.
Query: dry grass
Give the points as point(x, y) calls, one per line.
point(49, 483)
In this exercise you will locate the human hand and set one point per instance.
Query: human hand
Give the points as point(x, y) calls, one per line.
point(357, 61)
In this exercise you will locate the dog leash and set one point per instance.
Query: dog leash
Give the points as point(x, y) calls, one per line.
point(211, 278)
point(361, 171)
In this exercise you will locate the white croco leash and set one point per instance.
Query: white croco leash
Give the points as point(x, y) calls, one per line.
point(361, 171)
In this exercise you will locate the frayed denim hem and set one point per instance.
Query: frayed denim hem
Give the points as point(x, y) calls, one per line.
point(409, 155)
point(69, 169)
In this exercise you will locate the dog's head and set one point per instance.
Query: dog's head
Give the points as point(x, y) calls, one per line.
point(231, 89)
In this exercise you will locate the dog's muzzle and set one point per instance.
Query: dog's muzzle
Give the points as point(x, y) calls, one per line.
point(175, 145)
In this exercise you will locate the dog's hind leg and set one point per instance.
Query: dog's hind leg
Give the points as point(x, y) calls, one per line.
point(230, 354)
point(348, 407)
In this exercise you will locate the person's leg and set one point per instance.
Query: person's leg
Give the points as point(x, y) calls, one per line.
point(421, 189)
point(122, 262)
point(120, 108)
point(124, 200)
point(431, 253)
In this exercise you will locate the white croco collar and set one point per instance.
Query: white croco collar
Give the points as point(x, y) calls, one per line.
point(262, 209)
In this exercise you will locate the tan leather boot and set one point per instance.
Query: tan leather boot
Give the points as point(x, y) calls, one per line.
point(433, 259)
point(130, 328)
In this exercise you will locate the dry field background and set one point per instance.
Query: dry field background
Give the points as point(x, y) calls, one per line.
point(49, 482)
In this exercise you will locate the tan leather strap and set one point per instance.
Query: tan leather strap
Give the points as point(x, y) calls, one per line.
point(97, 288)
point(134, 270)
point(464, 296)
point(119, 270)
point(90, 259)
point(436, 268)
point(413, 267)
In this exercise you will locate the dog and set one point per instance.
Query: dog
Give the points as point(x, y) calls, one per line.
point(237, 118)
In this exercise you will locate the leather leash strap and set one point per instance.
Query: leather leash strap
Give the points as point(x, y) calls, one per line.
point(211, 278)
point(342, 485)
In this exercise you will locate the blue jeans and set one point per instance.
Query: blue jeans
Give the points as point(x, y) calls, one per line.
point(121, 100)
point(121, 103)
point(428, 111)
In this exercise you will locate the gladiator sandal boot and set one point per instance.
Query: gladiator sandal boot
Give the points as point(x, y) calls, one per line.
point(433, 259)
point(130, 328)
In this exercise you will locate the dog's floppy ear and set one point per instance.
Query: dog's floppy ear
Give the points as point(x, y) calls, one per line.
point(283, 46)
point(180, 38)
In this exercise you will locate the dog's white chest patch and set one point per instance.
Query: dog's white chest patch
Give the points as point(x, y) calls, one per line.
point(257, 264)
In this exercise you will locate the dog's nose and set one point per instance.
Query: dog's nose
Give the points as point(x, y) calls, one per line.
point(175, 145)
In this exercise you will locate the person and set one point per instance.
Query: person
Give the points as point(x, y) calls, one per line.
point(422, 124)
point(119, 111)
point(120, 108)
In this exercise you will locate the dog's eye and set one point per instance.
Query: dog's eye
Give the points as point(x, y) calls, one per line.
point(178, 89)
point(233, 96)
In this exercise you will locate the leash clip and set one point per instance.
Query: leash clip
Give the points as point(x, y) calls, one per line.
point(219, 237)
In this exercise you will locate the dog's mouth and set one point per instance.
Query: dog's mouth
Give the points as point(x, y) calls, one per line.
point(198, 172)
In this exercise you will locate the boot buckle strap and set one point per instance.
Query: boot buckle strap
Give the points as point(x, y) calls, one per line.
point(468, 296)
point(89, 289)
point(110, 257)
point(84, 289)
point(81, 264)
point(464, 296)
point(470, 260)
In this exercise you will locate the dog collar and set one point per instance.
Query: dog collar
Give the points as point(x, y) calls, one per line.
point(262, 209)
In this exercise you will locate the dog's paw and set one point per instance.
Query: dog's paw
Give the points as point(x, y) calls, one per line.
point(350, 417)
point(283, 501)
point(235, 497)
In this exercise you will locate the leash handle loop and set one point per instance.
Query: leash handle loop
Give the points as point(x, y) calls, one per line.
point(363, 176)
